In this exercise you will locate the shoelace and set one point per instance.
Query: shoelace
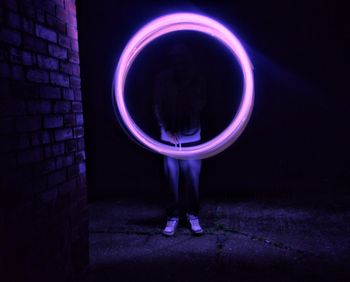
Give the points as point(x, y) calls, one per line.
point(191, 217)
point(178, 146)
point(171, 222)
point(194, 222)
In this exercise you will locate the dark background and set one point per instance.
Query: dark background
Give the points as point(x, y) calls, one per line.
point(297, 139)
point(211, 60)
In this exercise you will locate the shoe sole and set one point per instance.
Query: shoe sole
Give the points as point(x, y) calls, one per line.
point(171, 233)
point(197, 233)
point(168, 234)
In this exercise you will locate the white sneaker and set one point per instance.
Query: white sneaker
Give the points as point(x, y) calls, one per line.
point(171, 226)
point(194, 223)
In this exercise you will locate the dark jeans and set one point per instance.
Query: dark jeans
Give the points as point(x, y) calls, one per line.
point(188, 171)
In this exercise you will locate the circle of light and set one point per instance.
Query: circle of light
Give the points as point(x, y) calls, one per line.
point(179, 22)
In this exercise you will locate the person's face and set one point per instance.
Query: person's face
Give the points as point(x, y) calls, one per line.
point(180, 63)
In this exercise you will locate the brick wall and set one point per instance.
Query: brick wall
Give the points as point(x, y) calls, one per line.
point(43, 235)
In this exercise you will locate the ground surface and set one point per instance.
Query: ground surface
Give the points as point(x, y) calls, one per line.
point(245, 240)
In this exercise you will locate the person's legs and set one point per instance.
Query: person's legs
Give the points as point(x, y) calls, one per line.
point(171, 170)
point(191, 170)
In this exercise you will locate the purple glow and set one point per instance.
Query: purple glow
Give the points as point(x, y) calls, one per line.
point(177, 22)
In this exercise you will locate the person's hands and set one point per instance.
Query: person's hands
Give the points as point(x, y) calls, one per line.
point(173, 138)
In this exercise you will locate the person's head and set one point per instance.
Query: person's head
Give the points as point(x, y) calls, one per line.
point(180, 60)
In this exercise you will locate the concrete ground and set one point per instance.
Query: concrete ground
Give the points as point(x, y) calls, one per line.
point(245, 240)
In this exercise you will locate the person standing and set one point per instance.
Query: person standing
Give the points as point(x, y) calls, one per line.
point(179, 100)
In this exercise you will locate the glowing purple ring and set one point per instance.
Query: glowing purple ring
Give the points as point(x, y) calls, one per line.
point(195, 22)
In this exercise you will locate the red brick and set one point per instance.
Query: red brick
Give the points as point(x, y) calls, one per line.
point(71, 146)
point(64, 161)
point(77, 94)
point(38, 76)
point(13, 20)
point(78, 132)
point(54, 150)
point(59, 79)
point(15, 55)
point(47, 63)
point(82, 168)
point(57, 51)
point(72, 32)
point(70, 6)
point(68, 94)
point(79, 119)
point(45, 33)
point(36, 103)
point(72, 20)
point(56, 24)
point(10, 36)
point(66, 68)
point(39, 107)
point(27, 26)
point(75, 45)
point(40, 15)
point(62, 107)
point(77, 107)
point(27, 9)
point(50, 92)
point(35, 44)
point(62, 14)
point(63, 134)
point(47, 6)
point(69, 120)
point(53, 121)
point(73, 171)
point(64, 41)
point(81, 144)
point(80, 156)
point(73, 56)
point(17, 72)
point(59, 2)
point(76, 69)
point(21, 57)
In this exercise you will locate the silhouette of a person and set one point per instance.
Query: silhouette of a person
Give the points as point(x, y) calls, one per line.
point(180, 96)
